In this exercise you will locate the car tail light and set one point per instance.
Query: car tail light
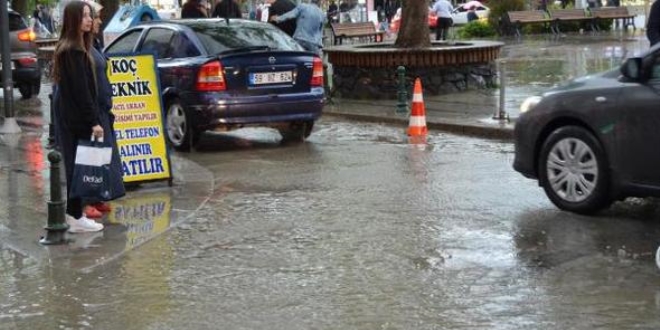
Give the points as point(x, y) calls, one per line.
point(317, 73)
point(211, 77)
point(27, 61)
point(27, 35)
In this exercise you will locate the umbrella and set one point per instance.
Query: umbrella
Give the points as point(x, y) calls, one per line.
point(471, 4)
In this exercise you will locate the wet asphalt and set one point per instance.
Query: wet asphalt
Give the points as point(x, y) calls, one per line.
point(353, 229)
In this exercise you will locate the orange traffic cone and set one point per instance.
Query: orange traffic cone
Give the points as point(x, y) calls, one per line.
point(417, 124)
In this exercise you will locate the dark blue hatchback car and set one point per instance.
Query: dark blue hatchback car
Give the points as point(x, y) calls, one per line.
point(219, 75)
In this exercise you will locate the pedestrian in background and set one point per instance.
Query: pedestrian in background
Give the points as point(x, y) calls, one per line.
point(278, 8)
point(262, 11)
point(472, 14)
point(37, 24)
point(75, 101)
point(333, 11)
point(96, 208)
point(653, 24)
point(194, 9)
point(443, 10)
point(309, 25)
point(47, 18)
point(227, 9)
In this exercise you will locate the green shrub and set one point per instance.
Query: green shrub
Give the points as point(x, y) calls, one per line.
point(476, 29)
point(604, 24)
point(535, 28)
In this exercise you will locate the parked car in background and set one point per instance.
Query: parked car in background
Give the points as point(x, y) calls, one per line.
point(219, 74)
point(459, 15)
point(395, 23)
point(26, 71)
point(595, 139)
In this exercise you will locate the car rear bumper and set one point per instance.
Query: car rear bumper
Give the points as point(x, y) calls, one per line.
point(30, 74)
point(276, 110)
point(25, 75)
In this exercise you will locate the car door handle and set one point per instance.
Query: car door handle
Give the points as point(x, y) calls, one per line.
point(601, 99)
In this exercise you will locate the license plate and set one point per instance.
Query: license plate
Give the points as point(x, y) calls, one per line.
point(262, 78)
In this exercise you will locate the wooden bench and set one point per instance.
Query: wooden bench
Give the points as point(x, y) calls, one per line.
point(341, 31)
point(568, 15)
point(518, 18)
point(613, 13)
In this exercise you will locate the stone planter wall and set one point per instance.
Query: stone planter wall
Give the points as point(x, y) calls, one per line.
point(382, 83)
point(369, 71)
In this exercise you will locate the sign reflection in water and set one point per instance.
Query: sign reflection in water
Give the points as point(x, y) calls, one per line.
point(144, 216)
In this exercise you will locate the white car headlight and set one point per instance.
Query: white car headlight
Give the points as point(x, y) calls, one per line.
point(529, 103)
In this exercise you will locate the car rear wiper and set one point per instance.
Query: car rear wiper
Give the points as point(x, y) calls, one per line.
point(244, 49)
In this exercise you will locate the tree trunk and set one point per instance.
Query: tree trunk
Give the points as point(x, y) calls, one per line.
point(414, 29)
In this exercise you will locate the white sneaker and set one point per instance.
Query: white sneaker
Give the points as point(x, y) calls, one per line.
point(82, 225)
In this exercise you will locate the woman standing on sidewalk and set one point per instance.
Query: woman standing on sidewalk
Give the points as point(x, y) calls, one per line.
point(96, 208)
point(75, 100)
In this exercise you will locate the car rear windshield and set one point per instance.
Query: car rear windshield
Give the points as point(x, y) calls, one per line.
point(218, 38)
point(16, 22)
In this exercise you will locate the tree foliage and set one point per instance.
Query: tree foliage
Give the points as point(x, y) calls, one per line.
point(21, 6)
point(414, 29)
point(499, 8)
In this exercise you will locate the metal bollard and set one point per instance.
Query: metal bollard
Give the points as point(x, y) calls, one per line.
point(501, 112)
point(51, 125)
point(56, 225)
point(402, 95)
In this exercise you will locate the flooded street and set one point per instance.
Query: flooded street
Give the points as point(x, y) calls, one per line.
point(353, 229)
point(356, 229)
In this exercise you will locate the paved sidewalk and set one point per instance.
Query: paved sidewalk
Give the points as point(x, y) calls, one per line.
point(469, 113)
point(140, 216)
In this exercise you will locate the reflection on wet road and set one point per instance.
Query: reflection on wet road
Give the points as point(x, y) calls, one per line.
point(355, 229)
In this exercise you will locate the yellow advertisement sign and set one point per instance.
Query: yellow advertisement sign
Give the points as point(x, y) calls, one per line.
point(136, 104)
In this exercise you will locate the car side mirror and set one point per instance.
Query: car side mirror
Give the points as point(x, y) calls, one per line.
point(632, 68)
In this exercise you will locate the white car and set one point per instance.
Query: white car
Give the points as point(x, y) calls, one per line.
point(459, 15)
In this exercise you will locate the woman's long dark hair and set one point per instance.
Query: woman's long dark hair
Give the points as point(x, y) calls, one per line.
point(71, 37)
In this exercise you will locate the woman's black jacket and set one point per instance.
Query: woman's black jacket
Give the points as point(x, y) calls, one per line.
point(76, 104)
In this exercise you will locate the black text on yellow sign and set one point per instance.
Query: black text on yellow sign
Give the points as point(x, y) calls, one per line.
point(138, 118)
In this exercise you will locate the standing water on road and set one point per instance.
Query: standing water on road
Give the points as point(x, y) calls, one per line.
point(355, 229)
